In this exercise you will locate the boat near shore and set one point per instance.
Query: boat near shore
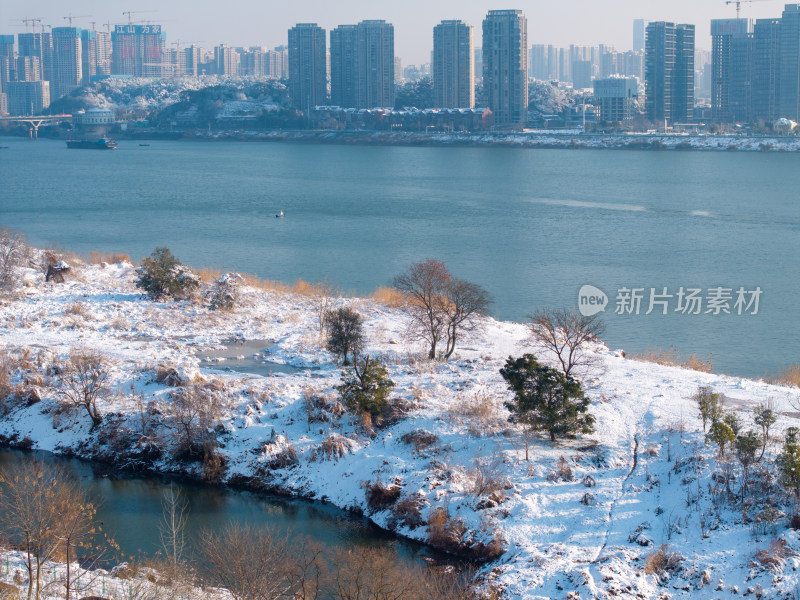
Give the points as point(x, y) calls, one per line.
point(101, 144)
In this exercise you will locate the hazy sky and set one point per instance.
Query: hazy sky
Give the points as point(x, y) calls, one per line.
point(259, 22)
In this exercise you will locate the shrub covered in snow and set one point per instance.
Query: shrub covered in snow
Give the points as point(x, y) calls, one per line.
point(163, 276)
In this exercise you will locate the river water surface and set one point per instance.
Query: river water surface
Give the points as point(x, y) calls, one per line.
point(531, 226)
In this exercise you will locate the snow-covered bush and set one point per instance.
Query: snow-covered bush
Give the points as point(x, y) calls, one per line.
point(321, 407)
point(163, 276)
point(226, 292)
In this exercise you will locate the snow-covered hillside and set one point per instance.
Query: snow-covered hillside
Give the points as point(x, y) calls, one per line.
point(581, 527)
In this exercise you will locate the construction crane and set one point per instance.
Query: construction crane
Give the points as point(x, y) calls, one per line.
point(71, 16)
point(739, 3)
point(28, 22)
point(130, 14)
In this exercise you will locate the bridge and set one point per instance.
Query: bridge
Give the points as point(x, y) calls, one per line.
point(36, 121)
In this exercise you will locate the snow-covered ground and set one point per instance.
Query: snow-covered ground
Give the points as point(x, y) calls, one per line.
point(652, 473)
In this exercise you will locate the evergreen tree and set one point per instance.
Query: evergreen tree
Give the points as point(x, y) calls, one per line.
point(545, 399)
point(366, 387)
point(162, 276)
point(710, 405)
point(788, 461)
point(345, 332)
point(747, 446)
point(721, 433)
point(764, 416)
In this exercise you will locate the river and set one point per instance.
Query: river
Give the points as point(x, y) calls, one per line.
point(130, 510)
point(531, 226)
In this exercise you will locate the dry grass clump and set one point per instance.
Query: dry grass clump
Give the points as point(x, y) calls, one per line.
point(78, 309)
point(661, 561)
point(562, 472)
point(788, 376)
point(168, 375)
point(381, 496)
point(321, 407)
point(773, 556)
point(480, 410)
point(389, 296)
point(408, 511)
point(445, 532)
point(421, 439)
point(112, 258)
point(489, 479)
point(673, 358)
point(334, 447)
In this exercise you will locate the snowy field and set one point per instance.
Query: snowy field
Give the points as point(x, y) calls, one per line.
point(581, 527)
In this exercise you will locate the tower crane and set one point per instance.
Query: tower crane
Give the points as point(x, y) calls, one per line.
point(130, 14)
point(738, 4)
point(70, 17)
point(29, 21)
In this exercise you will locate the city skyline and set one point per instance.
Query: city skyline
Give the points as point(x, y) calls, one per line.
point(247, 23)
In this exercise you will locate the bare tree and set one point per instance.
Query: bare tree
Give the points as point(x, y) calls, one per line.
point(173, 525)
point(466, 304)
point(44, 513)
point(370, 573)
point(84, 381)
point(424, 284)
point(565, 333)
point(194, 411)
point(251, 563)
point(14, 252)
point(323, 297)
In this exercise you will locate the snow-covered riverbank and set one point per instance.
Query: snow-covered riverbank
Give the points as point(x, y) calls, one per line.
point(528, 139)
point(643, 479)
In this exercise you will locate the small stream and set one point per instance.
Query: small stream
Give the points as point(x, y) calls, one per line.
point(130, 510)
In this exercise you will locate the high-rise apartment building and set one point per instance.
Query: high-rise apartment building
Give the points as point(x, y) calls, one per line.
point(343, 66)
point(375, 64)
point(88, 55)
point(731, 63)
point(453, 65)
point(95, 54)
point(307, 66)
point(789, 90)
point(669, 72)
point(27, 97)
point(505, 66)
point(639, 26)
point(39, 45)
point(226, 60)
point(766, 69)
point(362, 65)
point(7, 47)
point(582, 74)
point(192, 57)
point(67, 62)
point(138, 50)
point(538, 63)
point(616, 97)
point(27, 69)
